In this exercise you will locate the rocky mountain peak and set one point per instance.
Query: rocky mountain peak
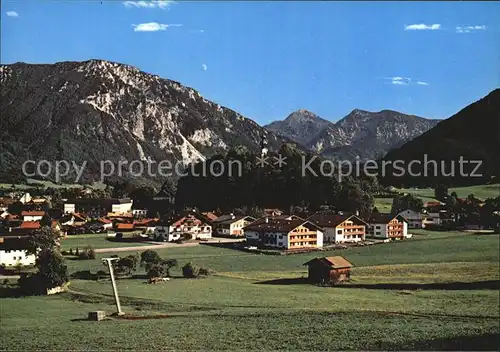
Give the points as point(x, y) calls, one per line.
point(300, 126)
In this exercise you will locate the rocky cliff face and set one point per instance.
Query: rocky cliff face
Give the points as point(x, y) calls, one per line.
point(361, 133)
point(98, 110)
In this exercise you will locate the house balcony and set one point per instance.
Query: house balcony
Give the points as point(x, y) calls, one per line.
point(353, 227)
point(295, 240)
point(354, 233)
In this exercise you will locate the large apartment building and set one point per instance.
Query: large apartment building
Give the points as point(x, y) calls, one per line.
point(284, 233)
point(340, 228)
point(96, 208)
point(386, 226)
point(231, 225)
point(192, 224)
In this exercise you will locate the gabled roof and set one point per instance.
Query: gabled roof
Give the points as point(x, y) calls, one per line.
point(32, 213)
point(15, 243)
point(272, 211)
point(278, 224)
point(229, 219)
point(336, 262)
point(80, 216)
point(381, 218)
point(104, 221)
point(145, 222)
point(333, 220)
point(120, 215)
point(30, 225)
point(124, 226)
point(210, 215)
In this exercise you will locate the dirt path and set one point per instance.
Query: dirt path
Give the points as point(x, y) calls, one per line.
point(165, 245)
point(143, 248)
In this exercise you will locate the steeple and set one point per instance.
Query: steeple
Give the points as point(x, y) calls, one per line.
point(263, 144)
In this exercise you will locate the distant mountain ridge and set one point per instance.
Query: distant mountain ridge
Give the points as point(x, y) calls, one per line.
point(361, 133)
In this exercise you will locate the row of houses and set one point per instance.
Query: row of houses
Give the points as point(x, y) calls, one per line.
point(292, 232)
point(433, 214)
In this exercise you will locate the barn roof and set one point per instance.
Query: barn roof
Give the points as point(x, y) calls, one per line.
point(278, 224)
point(336, 262)
point(333, 220)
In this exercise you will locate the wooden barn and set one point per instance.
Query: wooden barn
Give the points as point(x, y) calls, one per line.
point(328, 270)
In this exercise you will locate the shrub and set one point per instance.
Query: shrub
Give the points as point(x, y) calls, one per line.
point(186, 236)
point(157, 270)
point(205, 271)
point(149, 257)
point(31, 284)
point(126, 265)
point(87, 253)
point(190, 270)
point(101, 274)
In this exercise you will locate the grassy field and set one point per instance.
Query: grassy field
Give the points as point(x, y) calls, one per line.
point(383, 205)
point(97, 240)
point(481, 191)
point(33, 184)
point(424, 293)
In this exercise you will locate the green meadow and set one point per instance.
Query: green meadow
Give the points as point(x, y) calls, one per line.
point(436, 291)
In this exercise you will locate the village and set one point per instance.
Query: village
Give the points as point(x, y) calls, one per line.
point(120, 220)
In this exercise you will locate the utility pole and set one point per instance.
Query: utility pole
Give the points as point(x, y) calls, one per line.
point(113, 283)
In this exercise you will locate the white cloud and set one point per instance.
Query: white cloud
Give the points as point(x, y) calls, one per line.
point(204, 67)
point(149, 4)
point(422, 27)
point(153, 27)
point(12, 14)
point(404, 81)
point(468, 29)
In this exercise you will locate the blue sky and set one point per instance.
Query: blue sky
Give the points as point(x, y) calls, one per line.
point(267, 59)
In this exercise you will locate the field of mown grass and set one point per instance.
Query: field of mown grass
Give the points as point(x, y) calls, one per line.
point(260, 302)
point(384, 205)
point(95, 240)
point(480, 191)
point(33, 184)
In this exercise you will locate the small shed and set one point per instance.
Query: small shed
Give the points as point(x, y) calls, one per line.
point(328, 270)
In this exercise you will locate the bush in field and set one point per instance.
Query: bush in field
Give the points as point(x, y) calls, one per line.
point(190, 270)
point(161, 268)
point(126, 265)
point(52, 272)
point(101, 274)
point(87, 253)
point(149, 258)
point(205, 271)
point(157, 270)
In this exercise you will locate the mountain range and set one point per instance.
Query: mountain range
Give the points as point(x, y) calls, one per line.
point(369, 135)
point(98, 110)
